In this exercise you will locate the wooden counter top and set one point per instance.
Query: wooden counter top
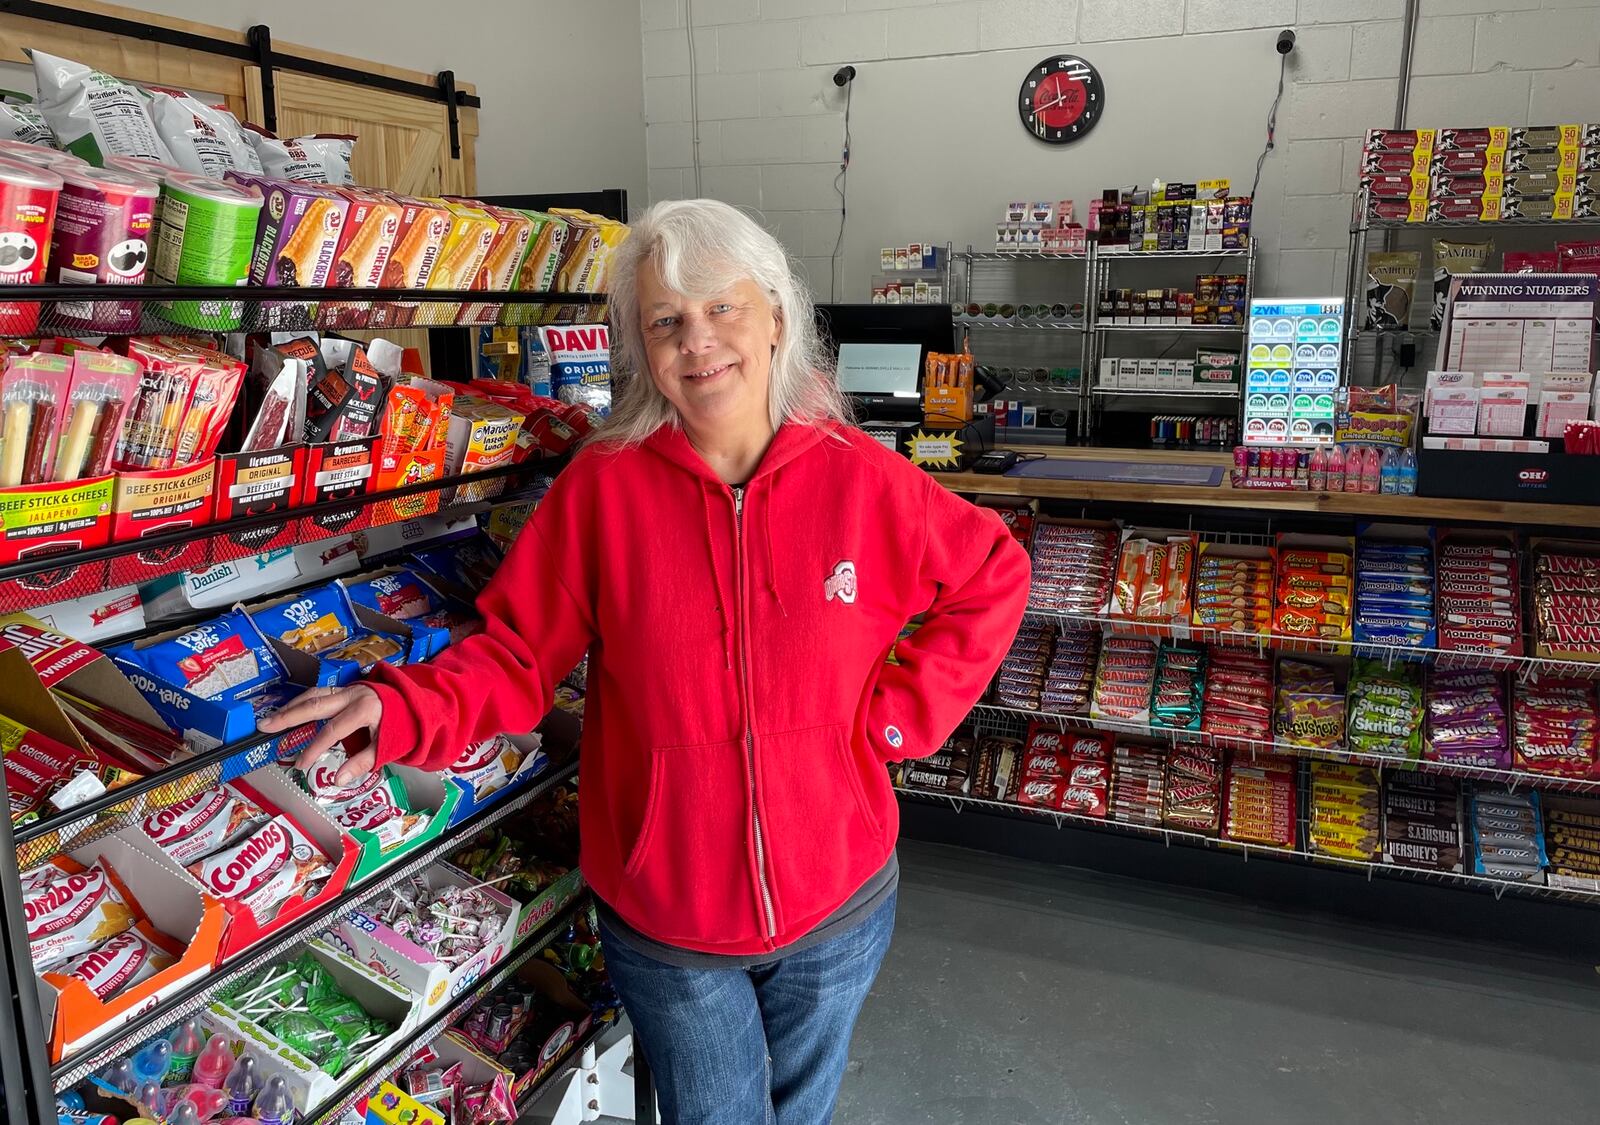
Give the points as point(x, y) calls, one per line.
point(1371, 505)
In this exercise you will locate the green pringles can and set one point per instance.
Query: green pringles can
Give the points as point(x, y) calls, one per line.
point(207, 234)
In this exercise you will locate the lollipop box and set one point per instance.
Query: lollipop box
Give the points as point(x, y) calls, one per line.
point(310, 1085)
point(408, 964)
point(194, 922)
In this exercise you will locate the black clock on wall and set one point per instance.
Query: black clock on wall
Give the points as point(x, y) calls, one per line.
point(1062, 98)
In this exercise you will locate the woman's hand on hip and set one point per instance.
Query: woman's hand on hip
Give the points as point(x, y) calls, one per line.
point(343, 712)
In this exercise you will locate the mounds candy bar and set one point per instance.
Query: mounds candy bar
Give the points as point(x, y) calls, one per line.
point(224, 659)
point(120, 962)
point(74, 912)
point(266, 869)
point(205, 823)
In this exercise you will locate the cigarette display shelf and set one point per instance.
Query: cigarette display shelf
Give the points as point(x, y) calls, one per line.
point(361, 1085)
point(1017, 719)
point(1170, 392)
point(191, 999)
point(1183, 837)
point(1166, 328)
point(1036, 324)
point(81, 310)
point(1157, 255)
point(970, 255)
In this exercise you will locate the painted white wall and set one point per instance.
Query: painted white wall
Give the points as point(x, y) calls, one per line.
point(938, 148)
point(560, 79)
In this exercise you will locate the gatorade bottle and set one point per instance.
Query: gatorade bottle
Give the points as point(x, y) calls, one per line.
point(214, 1063)
point(242, 1084)
point(152, 1061)
point(275, 1106)
point(185, 1049)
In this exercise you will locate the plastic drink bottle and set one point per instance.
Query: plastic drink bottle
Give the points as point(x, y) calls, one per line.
point(1336, 469)
point(185, 1048)
point(1355, 463)
point(242, 1084)
point(150, 1098)
point(119, 1076)
point(1389, 473)
point(1371, 471)
point(1408, 473)
point(214, 1063)
point(184, 1113)
point(152, 1061)
point(275, 1105)
point(1318, 470)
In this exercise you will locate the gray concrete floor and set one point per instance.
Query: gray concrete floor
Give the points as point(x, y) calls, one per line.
point(1017, 992)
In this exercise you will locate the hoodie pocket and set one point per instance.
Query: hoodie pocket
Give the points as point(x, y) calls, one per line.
point(824, 836)
point(689, 875)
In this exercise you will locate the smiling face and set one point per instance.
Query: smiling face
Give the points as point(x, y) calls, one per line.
point(711, 357)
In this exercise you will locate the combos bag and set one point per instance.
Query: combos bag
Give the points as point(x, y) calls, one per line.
point(317, 159)
point(1391, 284)
point(93, 114)
point(204, 139)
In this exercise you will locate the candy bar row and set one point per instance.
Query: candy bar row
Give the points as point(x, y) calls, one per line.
point(1467, 718)
point(1481, 173)
point(1351, 812)
point(1389, 586)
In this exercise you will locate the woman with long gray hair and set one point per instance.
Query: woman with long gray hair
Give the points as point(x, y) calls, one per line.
point(739, 562)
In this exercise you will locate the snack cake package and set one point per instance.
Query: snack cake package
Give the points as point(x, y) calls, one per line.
point(370, 228)
point(321, 623)
point(299, 231)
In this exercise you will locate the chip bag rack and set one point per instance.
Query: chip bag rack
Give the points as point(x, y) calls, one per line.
point(74, 1016)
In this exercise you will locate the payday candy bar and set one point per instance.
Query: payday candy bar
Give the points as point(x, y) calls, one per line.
point(74, 912)
point(266, 869)
point(120, 962)
point(202, 824)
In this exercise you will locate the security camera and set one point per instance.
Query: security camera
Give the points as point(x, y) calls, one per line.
point(846, 74)
point(1285, 43)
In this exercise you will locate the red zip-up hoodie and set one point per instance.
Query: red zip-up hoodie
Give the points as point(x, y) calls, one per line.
point(740, 710)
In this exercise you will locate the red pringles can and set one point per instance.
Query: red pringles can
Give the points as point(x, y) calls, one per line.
point(104, 236)
point(28, 197)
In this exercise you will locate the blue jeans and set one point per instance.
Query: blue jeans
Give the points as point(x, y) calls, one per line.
point(751, 1046)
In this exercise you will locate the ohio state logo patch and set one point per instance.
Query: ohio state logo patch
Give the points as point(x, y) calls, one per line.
point(841, 583)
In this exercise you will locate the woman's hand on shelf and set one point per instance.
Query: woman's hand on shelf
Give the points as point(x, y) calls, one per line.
point(344, 712)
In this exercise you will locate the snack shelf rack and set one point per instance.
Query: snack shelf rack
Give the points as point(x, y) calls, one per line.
point(584, 1042)
point(1156, 255)
point(1520, 666)
point(1361, 226)
point(79, 310)
point(189, 1000)
point(361, 1085)
point(1183, 837)
point(21, 586)
point(1511, 778)
point(971, 255)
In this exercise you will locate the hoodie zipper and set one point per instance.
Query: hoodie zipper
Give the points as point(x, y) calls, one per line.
point(749, 732)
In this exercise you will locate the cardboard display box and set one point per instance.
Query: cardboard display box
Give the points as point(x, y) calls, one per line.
point(74, 1016)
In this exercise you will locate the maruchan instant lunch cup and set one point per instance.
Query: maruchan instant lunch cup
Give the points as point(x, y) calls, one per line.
point(28, 198)
point(105, 230)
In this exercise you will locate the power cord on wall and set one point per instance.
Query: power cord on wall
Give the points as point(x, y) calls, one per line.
point(1284, 46)
point(841, 182)
point(694, 98)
